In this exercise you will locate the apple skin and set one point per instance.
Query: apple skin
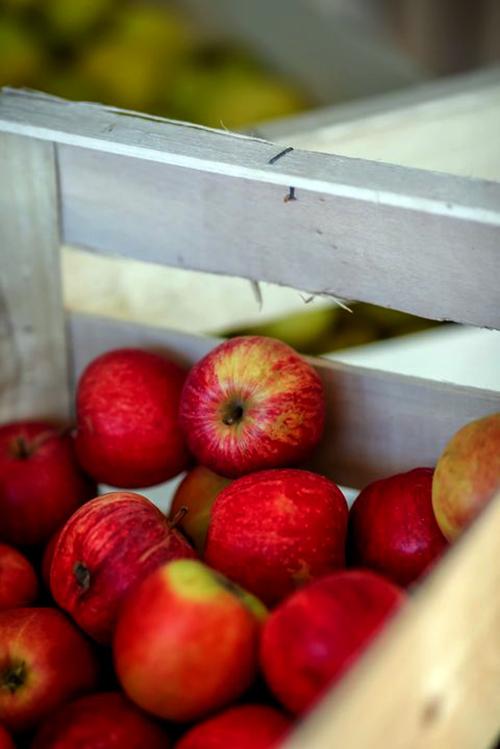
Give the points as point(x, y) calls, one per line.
point(44, 661)
point(107, 720)
point(197, 492)
point(252, 403)
point(392, 528)
point(467, 475)
point(5, 739)
point(275, 530)
point(313, 637)
point(127, 417)
point(106, 548)
point(18, 581)
point(48, 555)
point(241, 727)
point(41, 483)
point(186, 642)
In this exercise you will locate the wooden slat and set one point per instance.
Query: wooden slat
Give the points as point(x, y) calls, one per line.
point(378, 423)
point(33, 365)
point(432, 679)
point(209, 200)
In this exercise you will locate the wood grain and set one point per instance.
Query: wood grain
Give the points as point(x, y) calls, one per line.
point(378, 423)
point(33, 364)
point(432, 679)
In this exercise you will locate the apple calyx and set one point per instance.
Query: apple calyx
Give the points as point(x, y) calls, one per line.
point(82, 575)
point(13, 677)
point(233, 413)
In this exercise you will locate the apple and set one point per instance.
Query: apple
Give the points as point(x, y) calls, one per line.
point(104, 549)
point(186, 641)
point(41, 483)
point(275, 530)
point(392, 528)
point(252, 403)
point(5, 739)
point(241, 727)
point(311, 639)
point(128, 433)
point(48, 555)
point(193, 501)
point(467, 475)
point(105, 720)
point(44, 661)
point(18, 581)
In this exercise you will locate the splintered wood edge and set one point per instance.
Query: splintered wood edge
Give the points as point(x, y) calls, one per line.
point(378, 423)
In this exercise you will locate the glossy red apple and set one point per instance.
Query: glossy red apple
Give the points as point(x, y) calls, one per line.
point(467, 475)
point(5, 739)
point(41, 483)
point(106, 548)
point(18, 581)
point(392, 528)
point(127, 411)
point(313, 637)
point(195, 496)
point(48, 555)
point(186, 642)
point(273, 531)
point(252, 403)
point(107, 720)
point(44, 661)
point(240, 727)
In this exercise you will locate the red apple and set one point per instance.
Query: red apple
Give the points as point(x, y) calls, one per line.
point(252, 403)
point(195, 495)
point(314, 636)
point(41, 483)
point(100, 721)
point(467, 475)
point(186, 641)
point(128, 434)
point(241, 727)
point(274, 530)
point(104, 549)
point(48, 555)
point(44, 661)
point(392, 528)
point(5, 739)
point(18, 582)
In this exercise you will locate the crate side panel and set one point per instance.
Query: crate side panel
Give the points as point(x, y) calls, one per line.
point(33, 361)
point(425, 263)
point(378, 423)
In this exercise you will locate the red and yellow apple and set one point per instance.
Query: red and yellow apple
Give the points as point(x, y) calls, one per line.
point(252, 403)
point(275, 530)
point(186, 641)
point(127, 405)
point(195, 496)
point(392, 528)
point(105, 548)
point(467, 475)
point(41, 483)
point(239, 727)
point(44, 661)
point(18, 581)
point(106, 720)
point(312, 638)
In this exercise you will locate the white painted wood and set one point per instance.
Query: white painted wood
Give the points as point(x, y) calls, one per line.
point(432, 679)
point(378, 423)
point(450, 126)
point(33, 365)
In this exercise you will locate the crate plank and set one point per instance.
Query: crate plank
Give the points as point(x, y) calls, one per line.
point(432, 679)
point(33, 362)
point(378, 422)
point(191, 197)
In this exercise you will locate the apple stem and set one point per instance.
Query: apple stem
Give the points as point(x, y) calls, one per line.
point(82, 574)
point(179, 515)
point(21, 448)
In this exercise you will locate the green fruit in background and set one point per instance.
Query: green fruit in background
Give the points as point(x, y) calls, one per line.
point(72, 18)
point(21, 55)
point(154, 26)
point(67, 83)
point(299, 329)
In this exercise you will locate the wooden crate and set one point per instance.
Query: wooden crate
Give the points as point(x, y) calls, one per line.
point(184, 196)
